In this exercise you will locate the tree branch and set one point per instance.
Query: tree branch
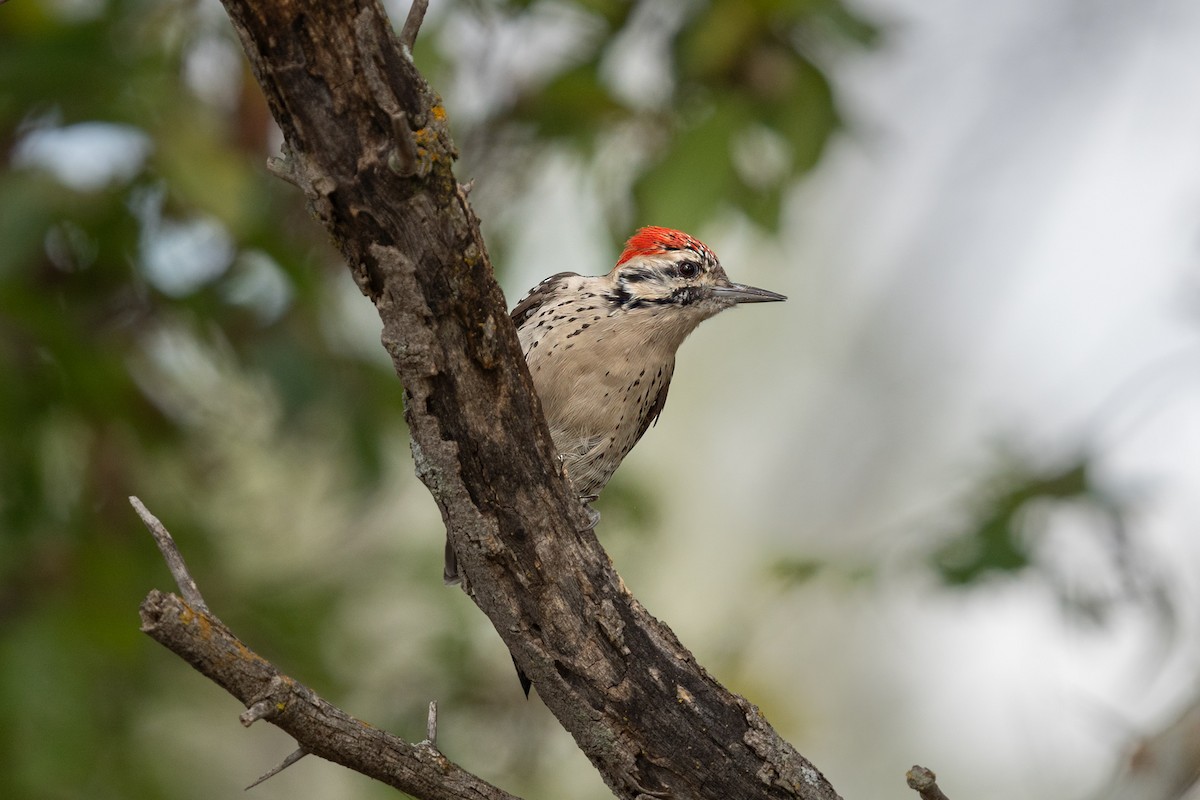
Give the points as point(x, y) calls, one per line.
point(924, 782)
point(412, 24)
point(292, 758)
point(319, 728)
point(170, 553)
point(346, 93)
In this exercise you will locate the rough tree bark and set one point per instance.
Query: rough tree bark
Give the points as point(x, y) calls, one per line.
point(367, 141)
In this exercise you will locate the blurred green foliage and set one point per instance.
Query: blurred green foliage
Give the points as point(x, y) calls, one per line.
point(716, 109)
point(173, 325)
point(1008, 533)
point(998, 541)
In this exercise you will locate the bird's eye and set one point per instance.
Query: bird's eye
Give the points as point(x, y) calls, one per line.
point(689, 269)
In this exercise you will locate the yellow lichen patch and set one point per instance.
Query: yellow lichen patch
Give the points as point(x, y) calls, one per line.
point(438, 112)
point(247, 654)
point(424, 137)
point(188, 616)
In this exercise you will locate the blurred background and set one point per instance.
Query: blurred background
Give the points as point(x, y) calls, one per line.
point(940, 507)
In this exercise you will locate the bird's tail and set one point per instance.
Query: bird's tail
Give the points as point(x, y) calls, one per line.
point(450, 574)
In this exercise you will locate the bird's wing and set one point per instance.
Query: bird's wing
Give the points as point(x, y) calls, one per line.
point(537, 297)
point(659, 401)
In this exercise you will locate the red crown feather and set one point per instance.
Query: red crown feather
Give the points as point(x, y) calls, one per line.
point(653, 240)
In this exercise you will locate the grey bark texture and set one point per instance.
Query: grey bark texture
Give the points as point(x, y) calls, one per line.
point(319, 727)
point(368, 143)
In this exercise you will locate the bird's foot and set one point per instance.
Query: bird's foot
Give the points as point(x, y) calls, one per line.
point(593, 514)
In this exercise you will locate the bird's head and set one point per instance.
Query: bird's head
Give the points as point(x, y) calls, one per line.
point(670, 272)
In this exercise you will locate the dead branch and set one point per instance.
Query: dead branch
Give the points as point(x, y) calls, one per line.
point(924, 782)
point(170, 553)
point(412, 24)
point(319, 728)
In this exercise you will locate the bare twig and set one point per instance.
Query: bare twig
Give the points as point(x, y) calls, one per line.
point(260, 710)
point(282, 167)
point(166, 546)
point(264, 707)
point(924, 782)
point(431, 724)
point(412, 23)
point(292, 758)
point(191, 631)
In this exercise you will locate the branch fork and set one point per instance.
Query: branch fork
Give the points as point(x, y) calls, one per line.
point(190, 630)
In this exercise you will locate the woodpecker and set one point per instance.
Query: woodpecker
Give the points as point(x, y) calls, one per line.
point(601, 349)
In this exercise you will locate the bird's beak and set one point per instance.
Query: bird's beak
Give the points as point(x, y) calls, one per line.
point(740, 293)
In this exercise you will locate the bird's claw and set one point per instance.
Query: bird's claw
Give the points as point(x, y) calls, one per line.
point(593, 514)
